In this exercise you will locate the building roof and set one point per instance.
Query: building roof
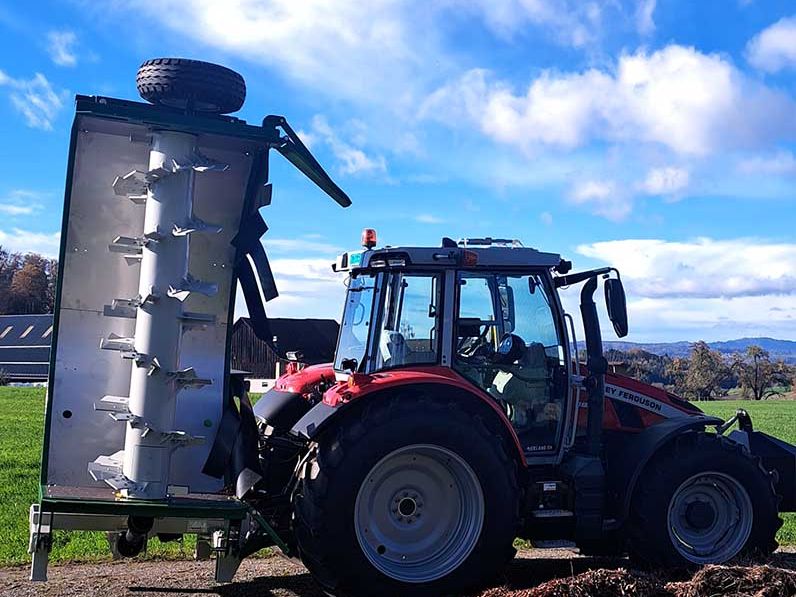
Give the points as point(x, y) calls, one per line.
point(316, 339)
point(25, 346)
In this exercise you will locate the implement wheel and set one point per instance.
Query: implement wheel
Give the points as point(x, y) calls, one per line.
point(191, 85)
point(705, 500)
point(413, 497)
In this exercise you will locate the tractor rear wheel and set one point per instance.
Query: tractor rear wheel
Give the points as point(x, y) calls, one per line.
point(705, 500)
point(415, 496)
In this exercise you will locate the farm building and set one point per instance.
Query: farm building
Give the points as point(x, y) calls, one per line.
point(25, 347)
point(315, 339)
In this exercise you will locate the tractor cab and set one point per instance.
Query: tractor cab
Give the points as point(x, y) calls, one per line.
point(486, 308)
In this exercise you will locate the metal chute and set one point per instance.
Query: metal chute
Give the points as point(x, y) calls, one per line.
point(153, 279)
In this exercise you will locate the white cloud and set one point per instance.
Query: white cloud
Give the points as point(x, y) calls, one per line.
point(703, 268)
point(387, 51)
point(17, 210)
point(307, 288)
point(667, 319)
point(678, 97)
point(665, 181)
point(61, 47)
point(428, 219)
point(361, 51)
point(353, 160)
point(25, 241)
point(21, 202)
point(301, 245)
point(547, 218)
point(603, 198)
point(774, 48)
point(569, 22)
point(645, 25)
point(35, 99)
point(782, 162)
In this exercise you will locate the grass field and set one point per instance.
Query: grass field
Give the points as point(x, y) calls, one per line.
point(21, 429)
point(21, 432)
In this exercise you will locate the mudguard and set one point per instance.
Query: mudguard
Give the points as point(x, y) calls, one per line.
point(320, 416)
point(627, 454)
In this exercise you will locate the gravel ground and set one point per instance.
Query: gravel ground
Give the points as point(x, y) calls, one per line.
point(262, 577)
point(267, 577)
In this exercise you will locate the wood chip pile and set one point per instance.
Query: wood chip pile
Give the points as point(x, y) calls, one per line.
point(711, 581)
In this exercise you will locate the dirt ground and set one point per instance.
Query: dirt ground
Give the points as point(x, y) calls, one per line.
point(278, 577)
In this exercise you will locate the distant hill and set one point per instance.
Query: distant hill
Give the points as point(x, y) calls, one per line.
point(778, 349)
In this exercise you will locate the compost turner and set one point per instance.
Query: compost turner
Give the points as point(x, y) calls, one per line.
point(161, 221)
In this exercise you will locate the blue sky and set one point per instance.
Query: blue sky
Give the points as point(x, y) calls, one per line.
point(656, 136)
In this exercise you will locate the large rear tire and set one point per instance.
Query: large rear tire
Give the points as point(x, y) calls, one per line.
point(704, 500)
point(191, 85)
point(413, 496)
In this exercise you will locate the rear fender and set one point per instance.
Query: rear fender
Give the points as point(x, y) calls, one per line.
point(628, 454)
point(323, 415)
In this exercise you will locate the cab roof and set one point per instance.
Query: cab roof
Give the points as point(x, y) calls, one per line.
point(468, 253)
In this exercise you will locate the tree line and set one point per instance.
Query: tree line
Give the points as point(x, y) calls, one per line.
point(27, 283)
point(707, 374)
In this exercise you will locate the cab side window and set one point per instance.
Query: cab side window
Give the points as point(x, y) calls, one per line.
point(409, 327)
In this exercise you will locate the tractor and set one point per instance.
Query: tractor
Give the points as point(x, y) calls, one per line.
point(457, 414)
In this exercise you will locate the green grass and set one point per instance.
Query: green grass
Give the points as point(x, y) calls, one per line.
point(21, 430)
point(775, 417)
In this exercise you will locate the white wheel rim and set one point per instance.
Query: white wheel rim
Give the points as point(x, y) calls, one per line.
point(710, 518)
point(419, 513)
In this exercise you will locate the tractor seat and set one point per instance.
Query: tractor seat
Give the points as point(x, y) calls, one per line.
point(392, 348)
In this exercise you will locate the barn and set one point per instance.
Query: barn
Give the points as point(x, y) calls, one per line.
point(314, 339)
point(25, 347)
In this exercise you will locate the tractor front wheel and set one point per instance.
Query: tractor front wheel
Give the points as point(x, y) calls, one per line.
point(414, 496)
point(704, 500)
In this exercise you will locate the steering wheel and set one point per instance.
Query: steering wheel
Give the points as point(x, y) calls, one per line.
point(472, 348)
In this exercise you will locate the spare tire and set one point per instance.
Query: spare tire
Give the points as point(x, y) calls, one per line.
point(191, 85)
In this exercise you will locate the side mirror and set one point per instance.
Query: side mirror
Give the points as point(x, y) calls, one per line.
point(616, 303)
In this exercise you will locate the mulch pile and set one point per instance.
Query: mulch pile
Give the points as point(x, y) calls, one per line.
point(711, 581)
point(738, 581)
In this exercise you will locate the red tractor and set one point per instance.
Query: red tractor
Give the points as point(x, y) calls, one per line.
point(456, 417)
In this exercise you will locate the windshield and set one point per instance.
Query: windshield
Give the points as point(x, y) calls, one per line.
point(355, 327)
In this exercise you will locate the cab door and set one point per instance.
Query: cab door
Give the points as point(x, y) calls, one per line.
point(510, 343)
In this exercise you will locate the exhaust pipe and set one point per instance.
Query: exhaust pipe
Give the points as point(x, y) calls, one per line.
point(596, 365)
